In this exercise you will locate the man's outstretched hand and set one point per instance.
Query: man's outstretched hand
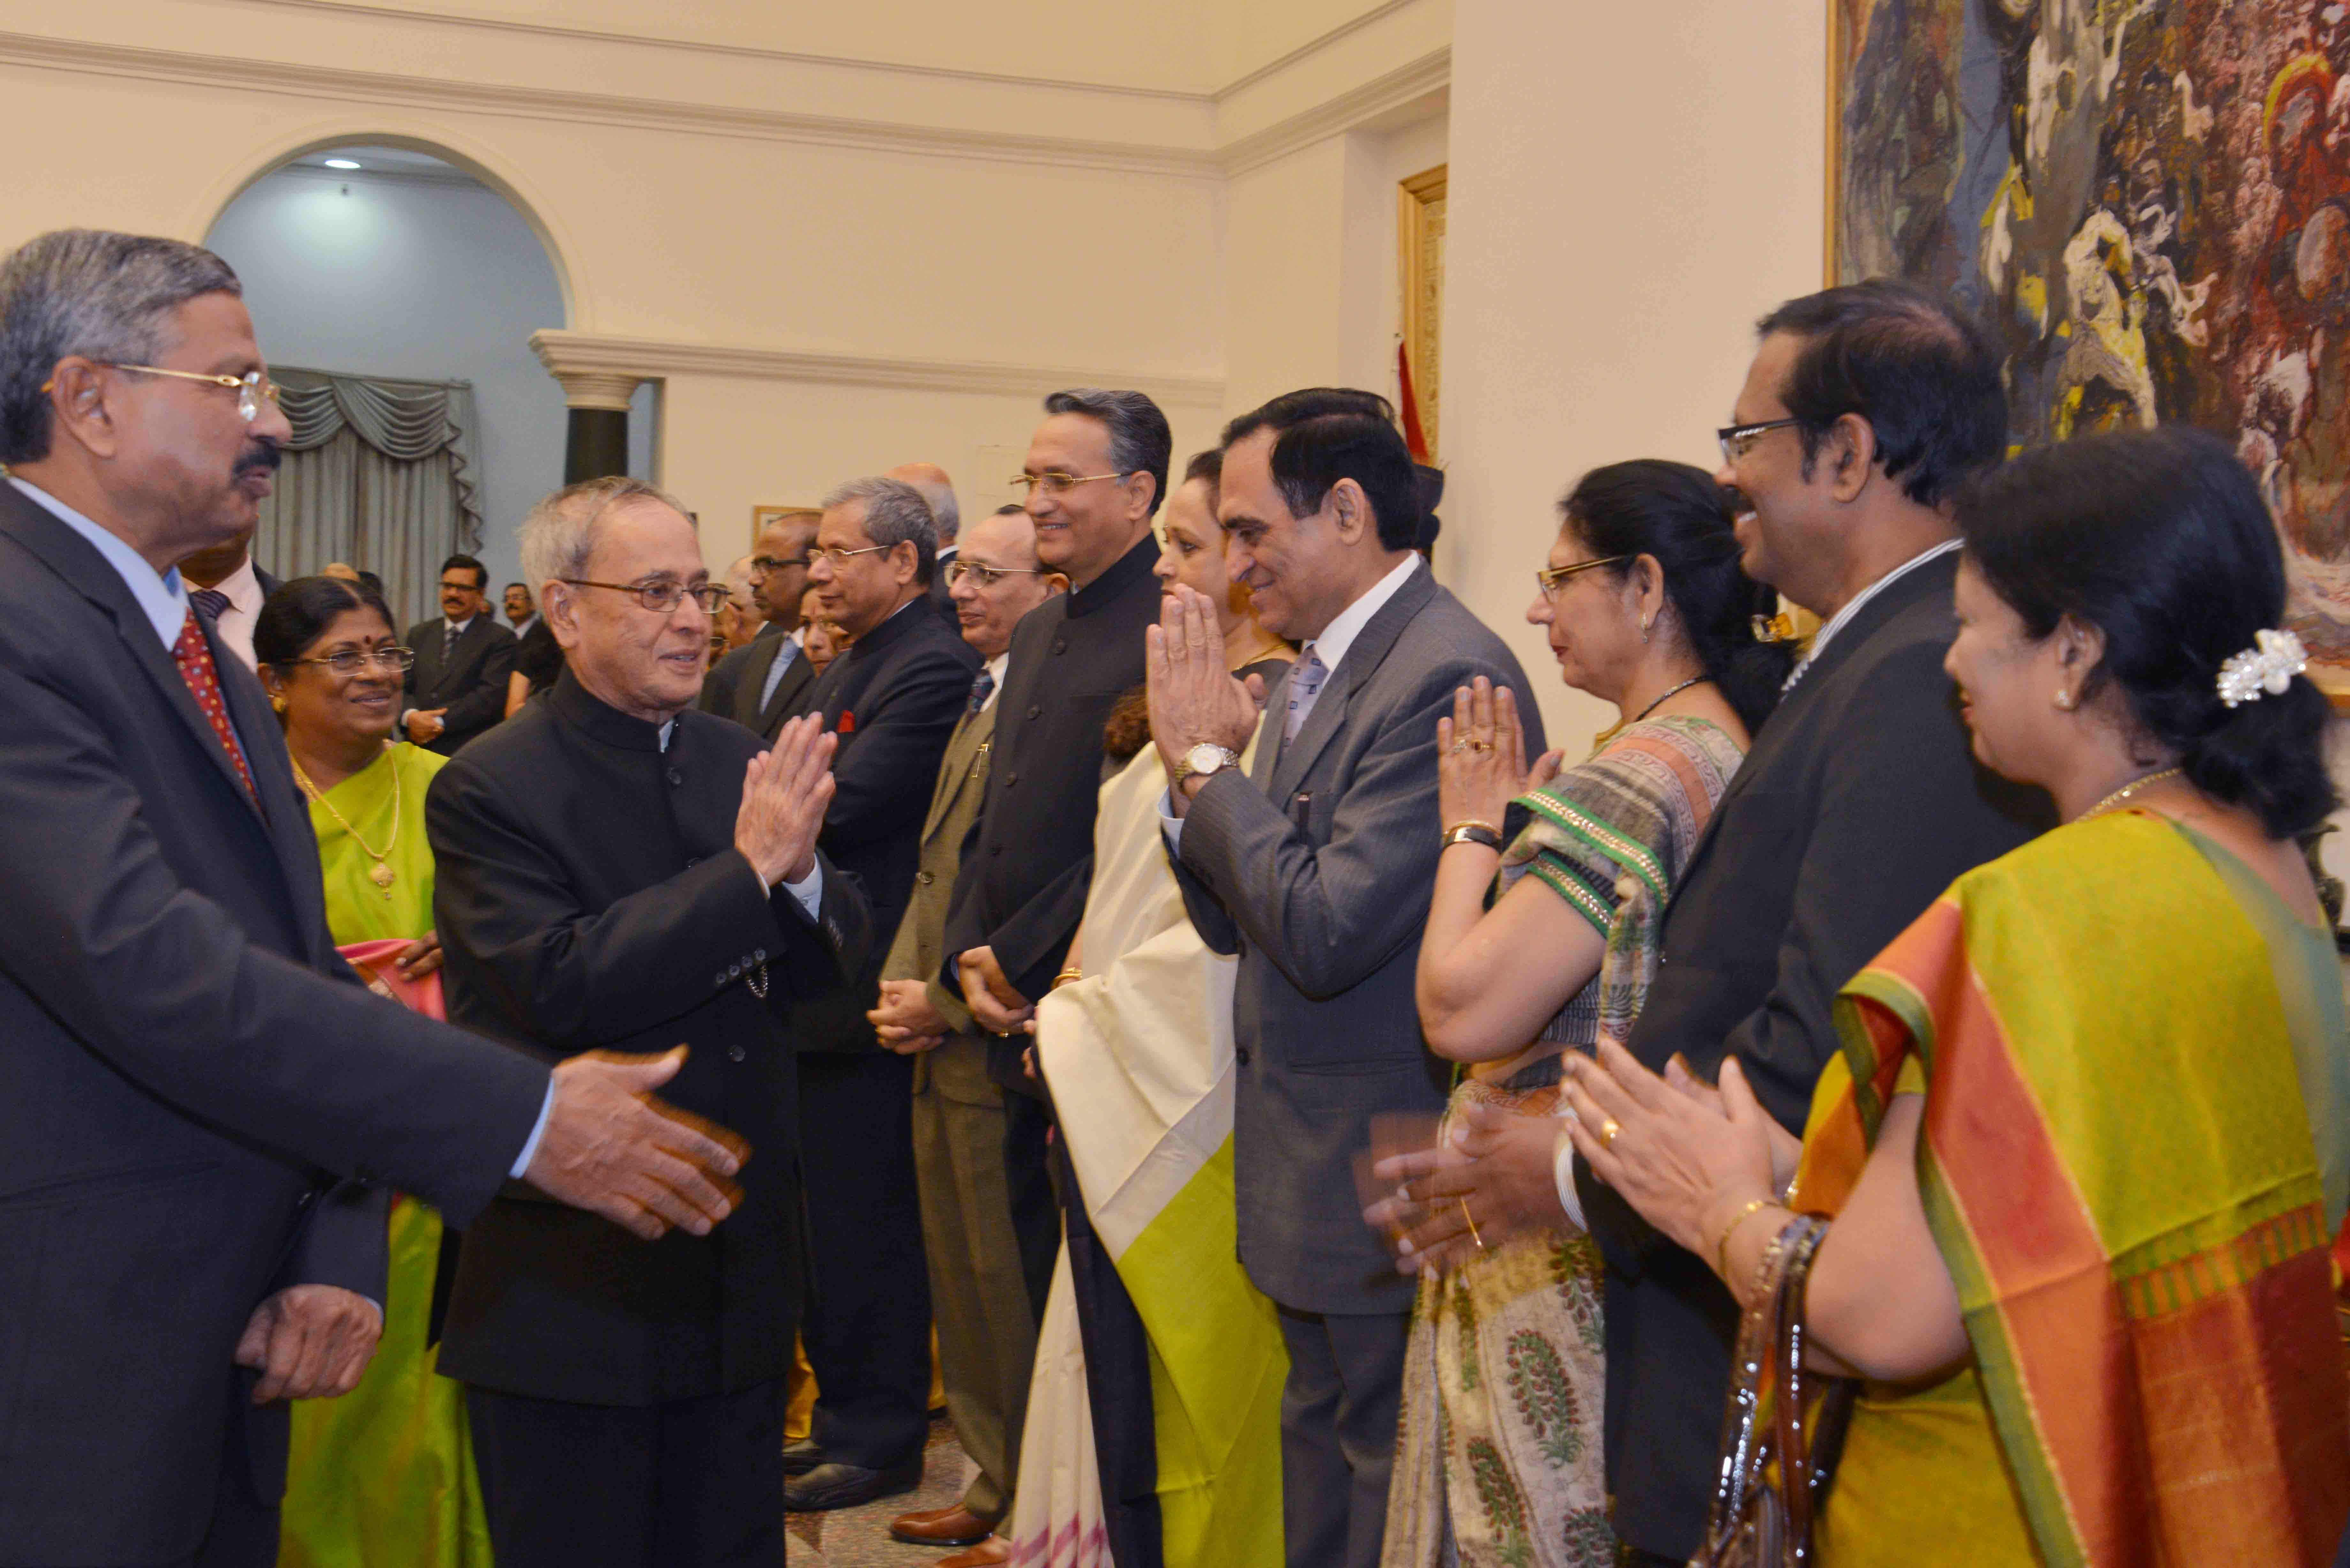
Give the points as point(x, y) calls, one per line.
point(611, 1147)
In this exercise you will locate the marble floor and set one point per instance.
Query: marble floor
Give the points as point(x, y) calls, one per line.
point(859, 1537)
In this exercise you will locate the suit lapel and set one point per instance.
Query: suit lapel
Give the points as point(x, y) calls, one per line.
point(1362, 659)
point(969, 742)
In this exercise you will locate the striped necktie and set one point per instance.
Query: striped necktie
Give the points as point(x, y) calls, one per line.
point(981, 688)
point(212, 601)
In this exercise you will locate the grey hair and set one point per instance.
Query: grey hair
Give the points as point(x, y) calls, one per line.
point(1139, 441)
point(559, 536)
point(895, 513)
point(944, 512)
point(90, 292)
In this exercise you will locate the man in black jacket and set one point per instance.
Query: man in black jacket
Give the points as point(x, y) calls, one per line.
point(758, 685)
point(890, 701)
point(457, 687)
point(620, 872)
point(1096, 471)
point(1858, 803)
point(187, 1059)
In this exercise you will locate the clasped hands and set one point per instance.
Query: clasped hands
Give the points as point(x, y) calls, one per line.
point(785, 790)
point(1683, 1152)
point(905, 1021)
point(1194, 697)
point(1481, 757)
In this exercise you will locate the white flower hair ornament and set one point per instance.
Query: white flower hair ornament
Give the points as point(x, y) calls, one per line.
point(2268, 668)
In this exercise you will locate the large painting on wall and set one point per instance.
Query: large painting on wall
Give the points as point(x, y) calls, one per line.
point(2150, 201)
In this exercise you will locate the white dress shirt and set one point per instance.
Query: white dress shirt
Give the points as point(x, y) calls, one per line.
point(1331, 648)
point(995, 668)
point(233, 626)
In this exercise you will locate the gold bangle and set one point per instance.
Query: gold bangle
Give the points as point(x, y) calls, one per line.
point(1066, 975)
point(1472, 831)
point(1721, 1243)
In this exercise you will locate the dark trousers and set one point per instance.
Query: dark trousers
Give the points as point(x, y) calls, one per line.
point(1339, 1415)
point(1117, 1386)
point(867, 1323)
point(1029, 1180)
point(693, 1483)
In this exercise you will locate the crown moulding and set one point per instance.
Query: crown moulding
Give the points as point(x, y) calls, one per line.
point(1343, 111)
point(586, 359)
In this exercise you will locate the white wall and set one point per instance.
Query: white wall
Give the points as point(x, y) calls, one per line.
point(1631, 187)
point(402, 276)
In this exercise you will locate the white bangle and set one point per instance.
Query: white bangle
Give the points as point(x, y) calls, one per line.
point(1562, 1170)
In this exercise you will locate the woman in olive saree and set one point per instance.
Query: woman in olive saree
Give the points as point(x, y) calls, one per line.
point(2087, 1139)
point(384, 1475)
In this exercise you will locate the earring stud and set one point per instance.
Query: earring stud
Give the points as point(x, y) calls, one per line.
point(2064, 700)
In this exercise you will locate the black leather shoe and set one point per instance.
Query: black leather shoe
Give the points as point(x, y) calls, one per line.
point(836, 1485)
point(801, 1455)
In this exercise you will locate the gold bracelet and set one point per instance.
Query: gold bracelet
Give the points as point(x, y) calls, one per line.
point(1721, 1244)
point(1473, 831)
point(1066, 975)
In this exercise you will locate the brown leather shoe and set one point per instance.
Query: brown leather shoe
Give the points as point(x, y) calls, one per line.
point(992, 1550)
point(956, 1526)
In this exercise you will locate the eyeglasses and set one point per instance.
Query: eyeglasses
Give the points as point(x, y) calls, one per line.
point(663, 597)
point(252, 388)
point(1548, 579)
point(764, 565)
point(838, 557)
point(351, 661)
point(958, 569)
point(1053, 482)
point(1737, 440)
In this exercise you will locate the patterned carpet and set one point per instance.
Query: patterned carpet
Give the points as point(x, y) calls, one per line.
point(859, 1537)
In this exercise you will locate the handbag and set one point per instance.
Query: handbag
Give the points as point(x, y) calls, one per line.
point(1777, 1458)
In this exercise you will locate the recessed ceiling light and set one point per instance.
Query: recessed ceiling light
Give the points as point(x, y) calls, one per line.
point(340, 163)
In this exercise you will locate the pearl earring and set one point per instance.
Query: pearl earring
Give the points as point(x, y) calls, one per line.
point(1644, 629)
point(2064, 700)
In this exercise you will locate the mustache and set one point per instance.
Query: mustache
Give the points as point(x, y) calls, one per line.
point(261, 456)
point(1737, 499)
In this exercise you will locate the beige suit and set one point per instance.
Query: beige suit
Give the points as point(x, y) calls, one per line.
point(987, 1325)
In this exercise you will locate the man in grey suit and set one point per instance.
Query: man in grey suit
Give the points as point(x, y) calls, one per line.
point(986, 1321)
point(1317, 870)
point(189, 1065)
point(755, 684)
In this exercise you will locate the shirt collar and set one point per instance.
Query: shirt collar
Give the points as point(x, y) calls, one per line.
point(241, 588)
point(1838, 622)
point(1133, 566)
point(1347, 625)
point(457, 626)
point(162, 596)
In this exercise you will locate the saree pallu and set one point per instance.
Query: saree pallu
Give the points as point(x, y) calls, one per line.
point(2133, 1158)
point(1499, 1458)
point(383, 1477)
point(1138, 1055)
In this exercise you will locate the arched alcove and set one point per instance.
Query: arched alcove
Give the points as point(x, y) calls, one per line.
point(410, 260)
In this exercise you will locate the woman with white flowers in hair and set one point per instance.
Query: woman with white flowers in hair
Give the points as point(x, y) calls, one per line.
point(2089, 1137)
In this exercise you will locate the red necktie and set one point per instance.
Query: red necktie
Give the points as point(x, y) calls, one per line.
point(195, 657)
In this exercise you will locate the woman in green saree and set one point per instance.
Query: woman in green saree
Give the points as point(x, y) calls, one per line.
point(2089, 1134)
point(385, 1474)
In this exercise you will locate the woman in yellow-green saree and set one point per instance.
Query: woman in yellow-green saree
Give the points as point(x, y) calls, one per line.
point(384, 1475)
point(2088, 1139)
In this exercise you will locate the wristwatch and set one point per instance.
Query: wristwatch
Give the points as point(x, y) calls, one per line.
point(1203, 758)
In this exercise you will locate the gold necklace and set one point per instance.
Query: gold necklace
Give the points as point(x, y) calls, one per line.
point(2127, 791)
point(383, 876)
point(1272, 645)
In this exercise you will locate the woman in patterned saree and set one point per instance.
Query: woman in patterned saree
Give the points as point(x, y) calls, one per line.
point(2089, 1134)
point(385, 1474)
point(1645, 607)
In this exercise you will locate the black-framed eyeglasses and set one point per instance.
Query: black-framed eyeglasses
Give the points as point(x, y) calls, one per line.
point(1548, 579)
point(1055, 482)
point(959, 569)
point(765, 565)
point(1737, 440)
point(663, 597)
point(351, 661)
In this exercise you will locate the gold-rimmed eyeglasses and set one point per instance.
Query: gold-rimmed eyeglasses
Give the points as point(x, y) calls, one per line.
point(958, 569)
point(253, 388)
point(350, 660)
point(661, 598)
point(835, 557)
point(1053, 481)
point(1548, 579)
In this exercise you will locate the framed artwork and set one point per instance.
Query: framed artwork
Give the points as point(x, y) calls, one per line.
point(1419, 269)
point(2149, 203)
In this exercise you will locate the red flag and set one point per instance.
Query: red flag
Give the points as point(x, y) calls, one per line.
point(1412, 435)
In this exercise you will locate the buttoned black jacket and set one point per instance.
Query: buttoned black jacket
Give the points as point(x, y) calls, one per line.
point(892, 700)
point(1030, 858)
point(588, 896)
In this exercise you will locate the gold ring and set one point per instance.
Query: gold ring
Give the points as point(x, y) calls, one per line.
point(1473, 1225)
point(1608, 1131)
point(1480, 745)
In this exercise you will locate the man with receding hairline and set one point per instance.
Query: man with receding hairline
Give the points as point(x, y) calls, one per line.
point(938, 491)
